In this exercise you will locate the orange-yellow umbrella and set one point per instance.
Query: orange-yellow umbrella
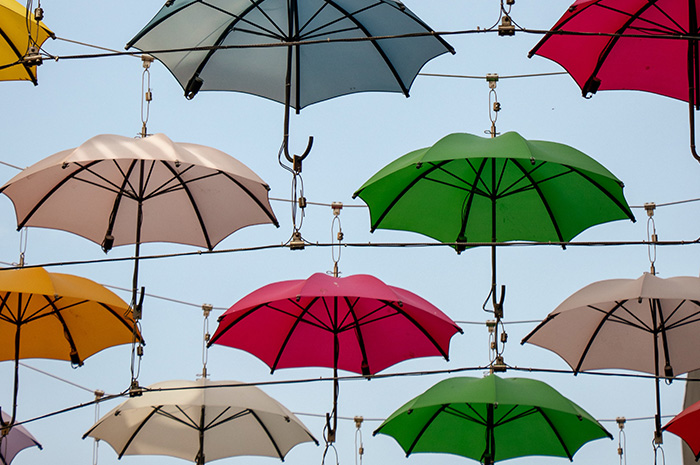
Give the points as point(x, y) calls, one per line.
point(18, 32)
point(58, 316)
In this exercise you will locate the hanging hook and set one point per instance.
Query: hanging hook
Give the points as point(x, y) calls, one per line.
point(494, 108)
point(146, 61)
point(337, 207)
point(652, 237)
point(206, 309)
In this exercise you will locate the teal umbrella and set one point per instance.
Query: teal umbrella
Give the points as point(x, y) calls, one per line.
point(491, 419)
point(467, 188)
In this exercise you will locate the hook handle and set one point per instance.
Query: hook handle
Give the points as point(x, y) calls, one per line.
point(297, 159)
point(691, 118)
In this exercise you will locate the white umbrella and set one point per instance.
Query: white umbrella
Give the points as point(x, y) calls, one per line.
point(649, 324)
point(116, 190)
point(198, 420)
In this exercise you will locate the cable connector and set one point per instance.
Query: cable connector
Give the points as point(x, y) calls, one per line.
point(506, 27)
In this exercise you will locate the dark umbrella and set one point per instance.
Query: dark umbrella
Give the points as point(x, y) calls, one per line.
point(291, 51)
point(647, 45)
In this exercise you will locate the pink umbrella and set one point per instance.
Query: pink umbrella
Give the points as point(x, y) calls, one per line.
point(356, 323)
point(14, 440)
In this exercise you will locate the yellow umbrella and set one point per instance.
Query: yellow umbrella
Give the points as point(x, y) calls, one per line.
point(58, 316)
point(18, 32)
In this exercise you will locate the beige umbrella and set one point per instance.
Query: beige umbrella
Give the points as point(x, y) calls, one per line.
point(649, 324)
point(116, 190)
point(198, 420)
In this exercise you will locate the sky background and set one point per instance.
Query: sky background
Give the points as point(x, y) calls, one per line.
point(642, 138)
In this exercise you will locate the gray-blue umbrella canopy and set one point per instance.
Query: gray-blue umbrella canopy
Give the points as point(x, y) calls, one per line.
point(296, 52)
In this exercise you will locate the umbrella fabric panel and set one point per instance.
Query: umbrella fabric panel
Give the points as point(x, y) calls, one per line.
point(294, 324)
point(615, 327)
point(171, 180)
point(634, 63)
point(541, 190)
point(318, 71)
point(16, 440)
point(14, 41)
point(685, 426)
point(55, 309)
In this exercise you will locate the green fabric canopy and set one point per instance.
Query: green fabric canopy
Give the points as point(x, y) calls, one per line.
point(467, 188)
point(491, 419)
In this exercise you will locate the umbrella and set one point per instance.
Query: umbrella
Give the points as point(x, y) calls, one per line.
point(19, 38)
point(356, 323)
point(58, 316)
point(641, 45)
point(305, 51)
point(685, 426)
point(198, 420)
point(115, 190)
point(467, 188)
point(492, 419)
point(14, 440)
point(648, 324)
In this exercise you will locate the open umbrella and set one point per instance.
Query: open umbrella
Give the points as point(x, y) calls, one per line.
point(649, 324)
point(115, 190)
point(686, 425)
point(14, 440)
point(492, 419)
point(642, 45)
point(467, 188)
point(201, 420)
point(58, 316)
point(291, 51)
point(356, 323)
point(19, 35)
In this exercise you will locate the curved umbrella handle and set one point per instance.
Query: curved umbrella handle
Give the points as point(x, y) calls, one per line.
point(691, 118)
point(297, 159)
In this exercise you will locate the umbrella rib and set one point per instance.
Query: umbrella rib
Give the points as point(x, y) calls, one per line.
point(66, 331)
point(358, 332)
point(190, 422)
point(118, 197)
point(122, 320)
point(53, 189)
point(618, 319)
point(478, 419)
point(20, 57)
point(425, 332)
point(556, 433)
point(673, 312)
point(425, 427)
point(3, 304)
point(403, 192)
point(291, 331)
point(375, 44)
point(267, 432)
point(214, 423)
point(688, 319)
point(315, 33)
point(467, 206)
point(269, 214)
point(190, 197)
point(133, 435)
point(608, 194)
point(543, 199)
point(595, 333)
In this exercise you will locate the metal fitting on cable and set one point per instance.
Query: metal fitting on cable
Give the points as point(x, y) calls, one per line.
point(506, 27)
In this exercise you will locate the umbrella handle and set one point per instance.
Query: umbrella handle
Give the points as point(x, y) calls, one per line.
point(691, 118)
point(297, 159)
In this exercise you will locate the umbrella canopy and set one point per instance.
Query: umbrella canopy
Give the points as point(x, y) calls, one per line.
point(337, 61)
point(356, 323)
point(140, 190)
point(16, 440)
point(630, 44)
point(649, 324)
point(58, 316)
point(17, 34)
point(685, 425)
point(201, 420)
point(290, 51)
point(476, 189)
point(492, 419)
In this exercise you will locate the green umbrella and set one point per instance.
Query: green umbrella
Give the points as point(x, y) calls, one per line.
point(491, 419)
point(467, 188)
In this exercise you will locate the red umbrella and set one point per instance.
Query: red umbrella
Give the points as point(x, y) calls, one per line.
point(356, 323)
point(686, 425)
point(647, 45)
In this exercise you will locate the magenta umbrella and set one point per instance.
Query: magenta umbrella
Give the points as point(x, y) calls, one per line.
point(13, 440)
point(356, 323)
point(646, 45)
